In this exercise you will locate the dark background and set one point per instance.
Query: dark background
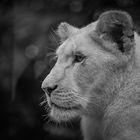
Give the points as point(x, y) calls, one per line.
point(27, 43)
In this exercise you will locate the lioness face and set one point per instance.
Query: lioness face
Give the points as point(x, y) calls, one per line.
point(79, 64)
point(83, 59)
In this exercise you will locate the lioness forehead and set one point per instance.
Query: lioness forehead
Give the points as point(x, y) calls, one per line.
point(79, 42)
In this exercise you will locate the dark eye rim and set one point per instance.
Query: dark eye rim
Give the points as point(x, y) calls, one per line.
point(78, 58)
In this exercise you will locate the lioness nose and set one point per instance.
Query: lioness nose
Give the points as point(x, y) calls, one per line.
point(49, 90)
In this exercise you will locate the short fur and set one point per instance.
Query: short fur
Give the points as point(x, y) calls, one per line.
point(97, 77)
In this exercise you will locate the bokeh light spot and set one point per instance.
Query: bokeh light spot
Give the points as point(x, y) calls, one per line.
point(76, 6)
point(31, 51)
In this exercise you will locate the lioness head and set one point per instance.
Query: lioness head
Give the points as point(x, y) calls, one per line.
point(85, 57)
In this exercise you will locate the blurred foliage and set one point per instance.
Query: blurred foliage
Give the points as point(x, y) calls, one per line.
point(27, 44)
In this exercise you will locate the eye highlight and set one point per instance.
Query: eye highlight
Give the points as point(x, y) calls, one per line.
point(78, 58)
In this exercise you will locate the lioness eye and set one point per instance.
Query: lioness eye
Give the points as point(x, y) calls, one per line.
point(78, 58)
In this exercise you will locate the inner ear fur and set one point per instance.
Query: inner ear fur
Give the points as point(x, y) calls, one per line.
point(65, 30)
point(118, 27)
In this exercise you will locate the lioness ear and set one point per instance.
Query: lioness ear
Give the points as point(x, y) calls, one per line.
point(65, 30)
point(117, 26)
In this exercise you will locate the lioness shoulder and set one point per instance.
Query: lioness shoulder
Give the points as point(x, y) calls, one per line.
point(97, 77)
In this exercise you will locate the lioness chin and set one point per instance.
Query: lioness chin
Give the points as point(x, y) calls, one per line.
point(97, 77)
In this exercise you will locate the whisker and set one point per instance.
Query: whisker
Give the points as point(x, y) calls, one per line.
point(70, 123)
point(54, 58)
point(43, 96)
point(54, 38)
point(47, 108)
point(48, 121)
point(42, 103)
point(54, 32)
point(51, 49)
point(50, 54)
point(83, 98)
point(45, 117)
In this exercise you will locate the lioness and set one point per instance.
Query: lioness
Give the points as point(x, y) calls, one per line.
point(97, 77)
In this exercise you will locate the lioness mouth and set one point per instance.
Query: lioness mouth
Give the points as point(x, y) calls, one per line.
point(64, 108)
